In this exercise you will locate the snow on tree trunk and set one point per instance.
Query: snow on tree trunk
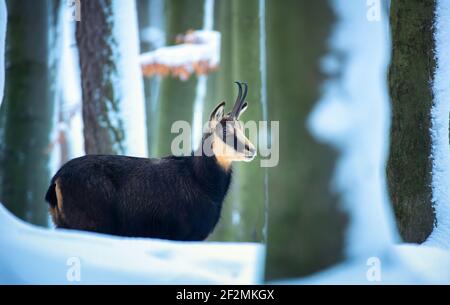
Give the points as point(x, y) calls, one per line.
point(70, 106)
point(129, 70)
point(202, 82)
point(306, 225)
point(440, 128)
point(412, 68)
point(352, 116)
point(30, 93)
point(113, 97)
point(176, 96)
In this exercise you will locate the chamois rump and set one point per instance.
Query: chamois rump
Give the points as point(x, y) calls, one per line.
point(176, 197)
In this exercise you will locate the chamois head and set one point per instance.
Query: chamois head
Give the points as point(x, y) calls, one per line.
point(229, 142)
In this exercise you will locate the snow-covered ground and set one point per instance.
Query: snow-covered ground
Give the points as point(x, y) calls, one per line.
point(400, 264)
point(33, 255)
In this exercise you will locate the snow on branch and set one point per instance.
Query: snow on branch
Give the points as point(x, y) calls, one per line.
point(196, 52)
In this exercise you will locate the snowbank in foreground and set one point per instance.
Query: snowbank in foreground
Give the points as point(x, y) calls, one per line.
point(401, 264)
point(33, 255)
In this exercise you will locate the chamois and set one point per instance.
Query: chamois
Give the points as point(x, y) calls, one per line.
point(176, 197)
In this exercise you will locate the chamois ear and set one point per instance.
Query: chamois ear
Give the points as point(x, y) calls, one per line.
point(216, 115)
point(244, 107)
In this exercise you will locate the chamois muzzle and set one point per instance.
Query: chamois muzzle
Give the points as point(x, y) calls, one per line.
point(239, 100)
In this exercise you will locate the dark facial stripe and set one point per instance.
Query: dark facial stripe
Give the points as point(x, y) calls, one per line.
point(236, 144)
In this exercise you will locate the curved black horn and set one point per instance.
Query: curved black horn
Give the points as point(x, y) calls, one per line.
point(237, 104)
point(243, 97)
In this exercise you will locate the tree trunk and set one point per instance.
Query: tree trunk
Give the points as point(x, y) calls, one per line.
point(3, 20)
point(103, 126)
point(177, 97)
point(32, 54)
point(151, 27)
point(246, 67)
point(306, 227)
point(221, 88)
point(243, 215)
point(412, 68)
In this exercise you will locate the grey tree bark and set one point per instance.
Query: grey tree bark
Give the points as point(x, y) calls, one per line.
point(28, 107)
point(412, 68)
point(103, 127)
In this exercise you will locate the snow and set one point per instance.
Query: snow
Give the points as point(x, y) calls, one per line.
point(440, 236)
point(353, 116)
point(68, 121)
point(154, 34)
point(33, 255)
point(402, 264)
point(197, 118)
point(3, 21)
point(71, 88)
point(200, 54)
point(128, 65)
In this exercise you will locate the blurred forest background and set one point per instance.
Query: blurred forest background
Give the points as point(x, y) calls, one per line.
point(76, 87)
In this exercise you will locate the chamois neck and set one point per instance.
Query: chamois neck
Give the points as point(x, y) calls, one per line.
point(211, 176)
point(204, 165)
point(223, 162)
